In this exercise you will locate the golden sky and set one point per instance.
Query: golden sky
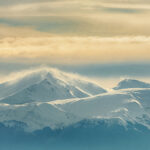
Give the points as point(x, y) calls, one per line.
point(74, 31)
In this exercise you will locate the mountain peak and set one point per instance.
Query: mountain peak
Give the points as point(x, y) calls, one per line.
point(131, 83)
point(45, 85)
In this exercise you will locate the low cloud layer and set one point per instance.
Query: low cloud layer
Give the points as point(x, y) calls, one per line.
point(64, 49)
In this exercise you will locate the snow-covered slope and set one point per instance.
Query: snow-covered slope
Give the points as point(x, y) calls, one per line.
point(131, 83)
point(61, 113)
point(46, 85)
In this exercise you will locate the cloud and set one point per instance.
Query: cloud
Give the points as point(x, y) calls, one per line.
point(10, 31)
point(126, 6)
point(60, 49)
point(64, 31)
point(41, 8)
point(78, 18)
point(91, 24)
point(62, 7)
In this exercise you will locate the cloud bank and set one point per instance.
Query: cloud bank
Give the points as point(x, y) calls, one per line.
point(64, 49)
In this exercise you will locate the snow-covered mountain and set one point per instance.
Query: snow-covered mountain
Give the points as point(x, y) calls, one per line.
point(46, 85)
point(44, 107)
point(131, 83)
point(55, 99)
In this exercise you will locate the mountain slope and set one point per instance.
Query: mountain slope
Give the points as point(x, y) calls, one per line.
point(85, 135)
point(62, 113)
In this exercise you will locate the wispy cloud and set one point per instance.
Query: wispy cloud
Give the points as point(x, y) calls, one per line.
point(10, 31)
point(64, 31)
point(103, 24)
point(49, 8)
point(89, 18)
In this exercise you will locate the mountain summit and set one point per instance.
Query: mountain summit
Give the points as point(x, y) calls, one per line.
point(131, 83)
point(46, 85)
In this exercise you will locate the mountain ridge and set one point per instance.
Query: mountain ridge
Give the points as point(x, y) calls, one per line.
point(67, 99)
point(131, 83)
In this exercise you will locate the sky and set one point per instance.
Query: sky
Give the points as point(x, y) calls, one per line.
point(75, 33)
